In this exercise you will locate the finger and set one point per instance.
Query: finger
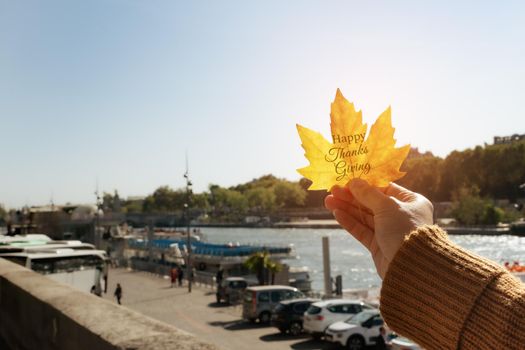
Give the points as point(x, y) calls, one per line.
point(344, 194)
point(332, 203)
point(362, 233)
point(400, 193)
point(369, 196)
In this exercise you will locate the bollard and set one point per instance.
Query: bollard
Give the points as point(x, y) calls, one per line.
point(326, 267)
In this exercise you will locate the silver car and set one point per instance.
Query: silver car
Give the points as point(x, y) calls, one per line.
point(231, 290)
point(259, 301)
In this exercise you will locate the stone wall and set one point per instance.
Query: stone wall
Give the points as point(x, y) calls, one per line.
point(38, 313)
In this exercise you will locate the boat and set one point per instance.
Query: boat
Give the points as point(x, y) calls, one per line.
point(299, 277)
point(208, 258)
point(520, 276)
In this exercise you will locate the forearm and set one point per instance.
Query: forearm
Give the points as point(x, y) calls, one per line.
point(444, 297)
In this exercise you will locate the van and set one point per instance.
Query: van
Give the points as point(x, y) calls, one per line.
point(259, 301)
point(231, 290)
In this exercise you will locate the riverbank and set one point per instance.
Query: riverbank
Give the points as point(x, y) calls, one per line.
point(332, 224)
point(517, 229)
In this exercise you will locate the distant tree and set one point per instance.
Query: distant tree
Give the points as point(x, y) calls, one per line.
point(469, 208)
point(422, 175)
point(111, 203)
point(133, 206)
point(289, 194)
point(200, 201)
point(261, 200)
point(265, 181)
point(493, 215)
point(234, 201)
point(227, 203)
point(497, 170)
point(165, 200)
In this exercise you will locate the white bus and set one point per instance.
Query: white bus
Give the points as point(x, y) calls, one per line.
point(72, 262)
point(26, 246)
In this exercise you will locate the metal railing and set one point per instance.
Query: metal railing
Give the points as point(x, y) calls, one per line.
point(200, 278)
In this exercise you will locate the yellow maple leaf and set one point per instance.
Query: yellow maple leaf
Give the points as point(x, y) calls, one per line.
point(374, 159)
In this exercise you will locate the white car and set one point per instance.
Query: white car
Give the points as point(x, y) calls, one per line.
point(402, 343)
point(322, 314)
point(357, 332)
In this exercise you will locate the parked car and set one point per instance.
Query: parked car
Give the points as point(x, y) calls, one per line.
point(322, 314)
point(289, 314)
point(358, 331)
point(231, 289)
point(402, 343)
point(259, 301)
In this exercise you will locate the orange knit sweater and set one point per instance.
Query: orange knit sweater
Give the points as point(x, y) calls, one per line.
point(445, 297)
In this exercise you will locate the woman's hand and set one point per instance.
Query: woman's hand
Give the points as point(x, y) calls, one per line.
point(379, 218)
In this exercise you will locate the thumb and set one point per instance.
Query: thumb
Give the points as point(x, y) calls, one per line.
point(367, 195)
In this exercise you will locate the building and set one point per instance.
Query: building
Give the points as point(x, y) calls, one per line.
point(500, 140)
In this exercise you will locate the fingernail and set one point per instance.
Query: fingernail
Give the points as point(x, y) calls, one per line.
point(335, 188)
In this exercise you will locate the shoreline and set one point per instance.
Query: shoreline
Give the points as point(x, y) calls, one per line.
point(332, 224)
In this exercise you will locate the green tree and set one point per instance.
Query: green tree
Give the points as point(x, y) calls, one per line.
point(289, 194)
point(274, 267)
point(261, 200)
point(265, 181)
point(422, 175)
point(227, 203)
point(165, 200)
point(469, 208)
point(260, 264)
point(200, 201)
point(111, 202)
point(133, 206)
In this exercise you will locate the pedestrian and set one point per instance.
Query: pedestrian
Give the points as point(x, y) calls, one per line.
point(180, 275)
point(105, 271)
point(219, 276)
point(382, 341)
point(118, 293)
point(174, 276)
point(434, 292)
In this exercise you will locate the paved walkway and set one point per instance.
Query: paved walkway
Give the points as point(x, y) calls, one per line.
point(198, 313)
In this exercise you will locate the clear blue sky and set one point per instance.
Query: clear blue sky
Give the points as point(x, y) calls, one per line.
point(119, 90)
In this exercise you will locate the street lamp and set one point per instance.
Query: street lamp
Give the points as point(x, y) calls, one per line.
point(188, 242)
point(98, 213)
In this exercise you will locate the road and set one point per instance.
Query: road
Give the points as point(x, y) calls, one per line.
point(198, 314)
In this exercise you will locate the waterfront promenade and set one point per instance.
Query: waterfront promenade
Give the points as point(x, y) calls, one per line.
point(198, 314)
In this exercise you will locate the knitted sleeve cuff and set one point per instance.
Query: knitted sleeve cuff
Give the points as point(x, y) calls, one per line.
point(431, 287)
point(498, 319)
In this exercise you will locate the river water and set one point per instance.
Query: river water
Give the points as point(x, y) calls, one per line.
point(348, 257)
